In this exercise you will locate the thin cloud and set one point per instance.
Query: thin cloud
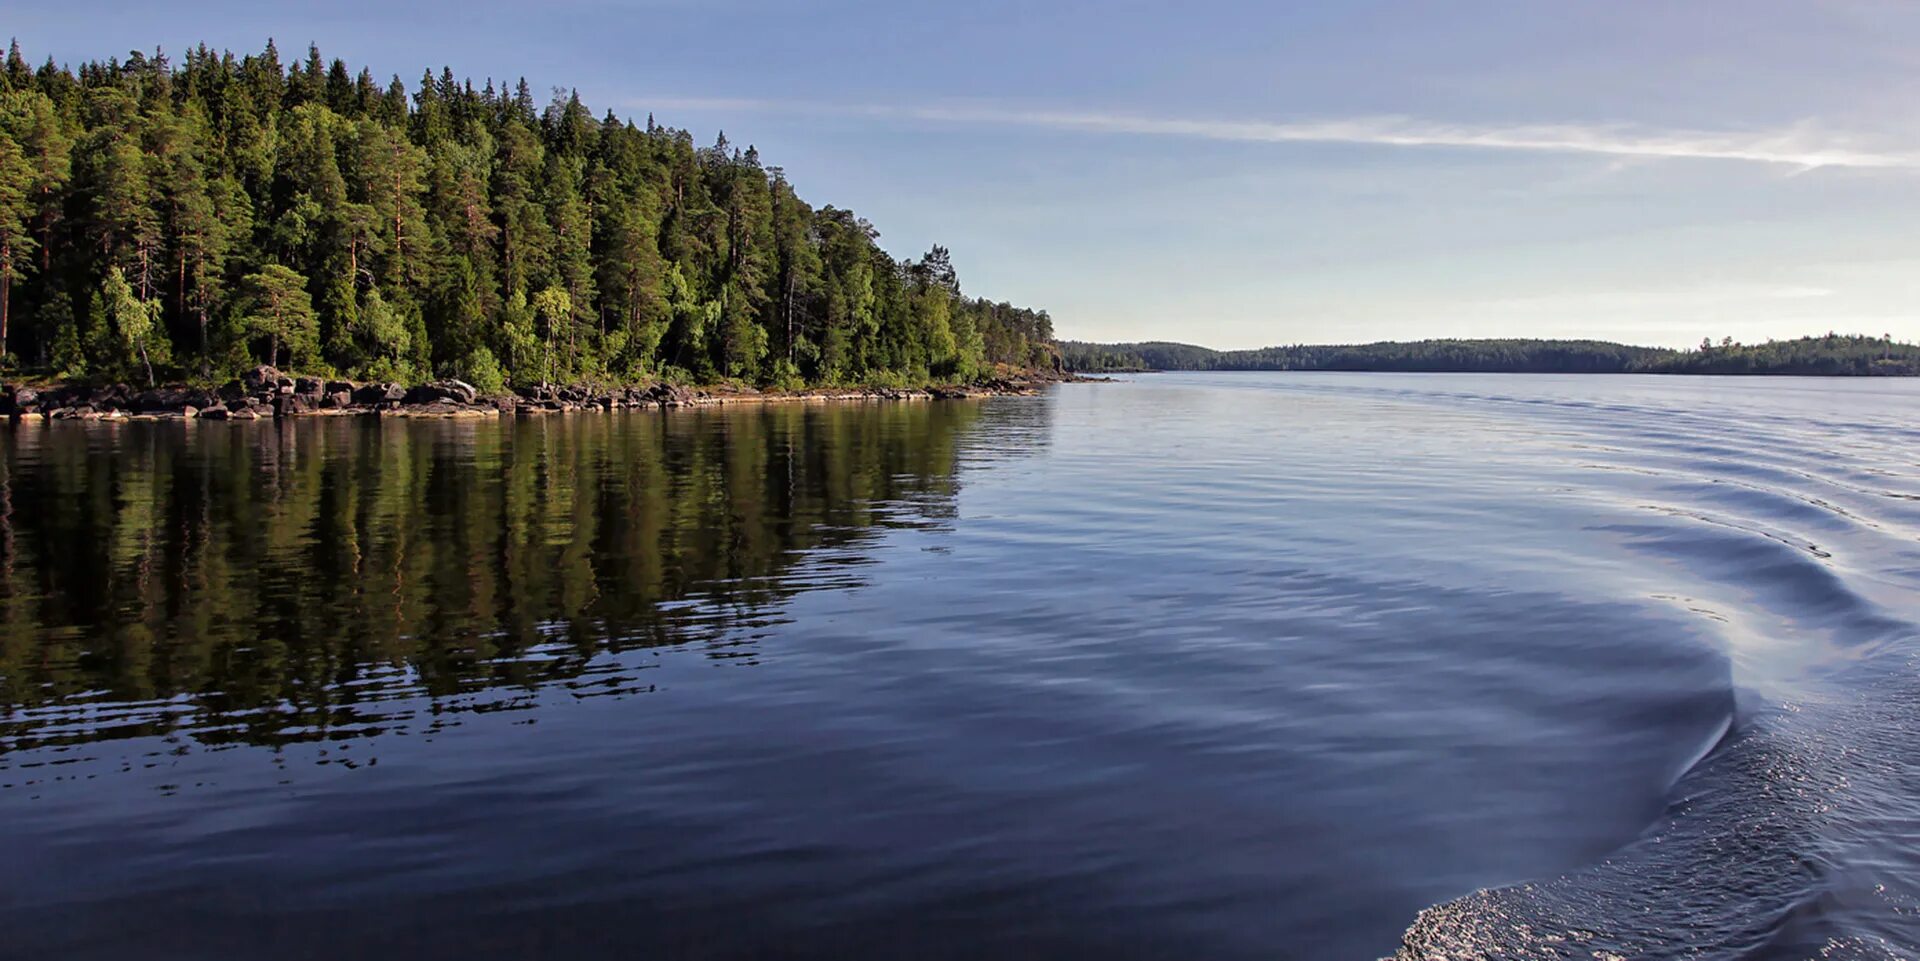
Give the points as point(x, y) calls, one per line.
point(1804, 146)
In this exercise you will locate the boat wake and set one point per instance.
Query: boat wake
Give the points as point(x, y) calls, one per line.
point(1797, 836)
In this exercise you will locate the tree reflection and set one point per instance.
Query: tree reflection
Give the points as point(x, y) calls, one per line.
point(269, 583)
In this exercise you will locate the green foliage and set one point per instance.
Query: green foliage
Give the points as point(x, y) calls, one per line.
point(274, 307)
point(137, 323)
point(383, 341)
point(482, 371)
point(285, 212)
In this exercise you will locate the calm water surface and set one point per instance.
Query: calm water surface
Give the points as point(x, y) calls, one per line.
point(1196, 666)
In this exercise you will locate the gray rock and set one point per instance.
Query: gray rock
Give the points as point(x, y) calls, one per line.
point(261, 378)
point(373, 394)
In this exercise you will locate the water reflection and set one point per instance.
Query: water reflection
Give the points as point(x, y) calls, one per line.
point(224, 584)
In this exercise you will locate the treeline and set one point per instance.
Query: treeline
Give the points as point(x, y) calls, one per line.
point(1832, 354)
point(161, 221)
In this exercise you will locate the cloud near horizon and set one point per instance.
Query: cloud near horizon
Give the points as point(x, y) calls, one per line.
point(1803, 146)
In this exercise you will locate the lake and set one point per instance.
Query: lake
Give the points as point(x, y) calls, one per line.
point(1185, 666)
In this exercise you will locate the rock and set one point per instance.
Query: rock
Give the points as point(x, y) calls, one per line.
point(261, 378)
point(288, 405)
point(336, 400)
point(374, 394)
point(454, 391)
point(339, 386)
point(163, 399)
point(215, 413)
point(111, 396)
point(309, 387)
point(667, 395)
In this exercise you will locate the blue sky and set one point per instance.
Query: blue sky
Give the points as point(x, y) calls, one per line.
point(1240, 174)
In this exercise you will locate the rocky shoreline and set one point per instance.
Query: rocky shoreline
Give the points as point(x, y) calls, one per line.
point(264, 393)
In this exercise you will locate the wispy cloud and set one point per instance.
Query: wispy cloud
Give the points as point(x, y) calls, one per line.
point(1640, 301)
point(1803, 146)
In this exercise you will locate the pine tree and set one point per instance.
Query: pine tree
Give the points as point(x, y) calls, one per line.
point(16, 228)
point(275, 307)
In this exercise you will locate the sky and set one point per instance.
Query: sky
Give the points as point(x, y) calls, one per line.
point(1246, 174)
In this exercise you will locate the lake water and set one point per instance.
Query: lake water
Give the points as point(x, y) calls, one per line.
point(1192, 666)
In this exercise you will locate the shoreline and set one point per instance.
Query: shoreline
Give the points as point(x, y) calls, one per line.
point(265, 393)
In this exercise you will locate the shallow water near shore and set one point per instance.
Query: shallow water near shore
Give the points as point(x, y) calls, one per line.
point(1199, 666)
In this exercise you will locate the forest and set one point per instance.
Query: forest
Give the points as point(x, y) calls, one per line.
point(163, 221)
point(1832, 355)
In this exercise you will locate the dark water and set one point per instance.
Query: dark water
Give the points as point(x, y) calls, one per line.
point(1208, 666)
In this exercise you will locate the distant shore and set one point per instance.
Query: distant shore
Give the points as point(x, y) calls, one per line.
point(265, 393)
point(1832, 355)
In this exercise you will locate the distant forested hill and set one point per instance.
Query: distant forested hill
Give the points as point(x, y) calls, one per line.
point(1829, 355)
point(162, 218)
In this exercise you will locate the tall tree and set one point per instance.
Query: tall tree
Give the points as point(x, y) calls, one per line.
point(275, 307)
point(136, 321)
point(16, 215)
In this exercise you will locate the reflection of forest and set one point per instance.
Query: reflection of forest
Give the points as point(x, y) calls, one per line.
point(269, 582)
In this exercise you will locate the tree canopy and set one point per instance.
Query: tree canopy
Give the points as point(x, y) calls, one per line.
point(259, 211)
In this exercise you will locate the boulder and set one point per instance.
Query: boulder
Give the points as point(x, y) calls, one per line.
point(287, 405)
point(452, 391)
point(261, 378)
point(111, 396)
point(215, 413)
point(339, 386)
point(336, 400)
point(373, 394)
point(667, 395)
point(309, 386)
point(163, 399)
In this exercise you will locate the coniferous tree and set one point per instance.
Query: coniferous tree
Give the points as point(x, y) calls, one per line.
point(275, 307)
